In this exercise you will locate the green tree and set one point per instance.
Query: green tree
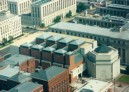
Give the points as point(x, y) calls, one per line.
point(10, 38)
point(81, 7)
point(42, 25)
point(57, 19)
point(4, 41)
point(69, 14)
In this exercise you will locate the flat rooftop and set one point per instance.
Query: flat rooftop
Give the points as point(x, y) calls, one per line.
point(17, 0)
point(94, 86)
point(6, 16)
point(41, 2)
point(17, 59)
point(94, 30)
point(9, 71)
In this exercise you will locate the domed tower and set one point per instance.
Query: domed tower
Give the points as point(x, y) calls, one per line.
point(103, 63)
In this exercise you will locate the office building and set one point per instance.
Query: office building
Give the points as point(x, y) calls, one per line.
point(117, 8)
point(106, 21)
point(19, 7)
point(116, 37)
point(46, 11)
point(10, 26)
point(103, 63)
point(3, 5)
point(122, 2)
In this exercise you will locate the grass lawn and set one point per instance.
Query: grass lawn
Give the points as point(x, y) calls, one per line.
point(124, 79)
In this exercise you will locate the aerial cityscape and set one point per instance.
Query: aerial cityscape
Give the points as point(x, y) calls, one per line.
point(64, 45)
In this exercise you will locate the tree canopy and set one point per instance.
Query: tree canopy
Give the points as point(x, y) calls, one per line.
point(81, 7)
point(69, 14)
point(57, 19)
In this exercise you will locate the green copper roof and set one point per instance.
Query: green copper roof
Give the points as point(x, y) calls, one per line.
point(20, 78)
point(78, 42)
point(26, 44)
point(69, 53)
point(25, 87)
point(55, 38)
point(60, 51)
point(37, 47)
point(48, 73)
point(66, 40)
point(103, 49)
point(44, 36)
point(49, 49)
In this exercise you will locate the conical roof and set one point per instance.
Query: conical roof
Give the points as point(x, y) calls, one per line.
point(103, 49)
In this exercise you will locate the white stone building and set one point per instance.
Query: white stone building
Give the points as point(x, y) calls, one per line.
point(46, 11)
point(3, 5)
point(10, 25)
point(103, 63)
point(19, 6)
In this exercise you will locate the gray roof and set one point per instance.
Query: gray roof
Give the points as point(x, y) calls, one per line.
point(37, 47)
point(20, 78)
point(66, 40)
point(44, 36)
point(25, 87)
point(49, 49)
point(94, 30)
point(4, 78)
point(55, 38)
point(41, 2)
point(48, 73)
point(17, 59)
point(3, 64)
point(103, 49)
point(78, 57)
point(5, 17)
point(60, 51)
point(27, 44)
point(78, 42)
point(118, 6)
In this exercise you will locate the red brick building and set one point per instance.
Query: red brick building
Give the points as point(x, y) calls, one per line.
point(25, 49)
point(63, 51)
point(25, 63)
point(54, 79)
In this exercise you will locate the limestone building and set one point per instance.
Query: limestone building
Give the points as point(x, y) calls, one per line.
point(3, 5)
point(10, 25)
point(116, 37)
point(46, 11)
point(103, 63)
point(106, 21)
point(117, 8)
point(19, 6)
